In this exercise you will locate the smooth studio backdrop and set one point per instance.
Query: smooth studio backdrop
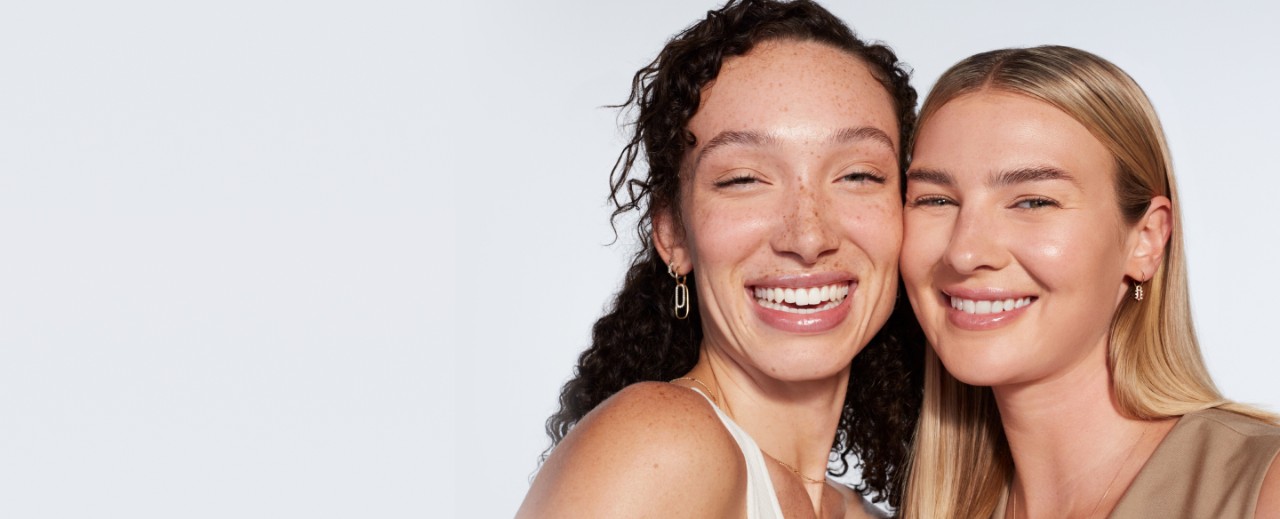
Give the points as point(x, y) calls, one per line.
point(225, 261)
point(534, 271)
point(335, 259)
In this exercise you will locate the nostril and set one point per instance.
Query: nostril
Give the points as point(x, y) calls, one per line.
point(809, 241)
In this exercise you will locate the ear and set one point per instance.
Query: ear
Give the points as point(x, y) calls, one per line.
point(1152, 233)
point(668, 238)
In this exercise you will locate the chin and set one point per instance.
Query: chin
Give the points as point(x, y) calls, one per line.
point(798, 366)
point(975, 370)
point(978, 378)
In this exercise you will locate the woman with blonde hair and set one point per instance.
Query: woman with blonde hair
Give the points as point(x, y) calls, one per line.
point(1043, 257)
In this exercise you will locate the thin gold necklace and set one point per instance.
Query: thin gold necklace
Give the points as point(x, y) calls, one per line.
point(806, 479)
point(1013, 496)
point(704, 386)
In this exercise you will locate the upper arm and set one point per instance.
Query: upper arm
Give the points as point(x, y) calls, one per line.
point(653, 450)
point(1269, 498)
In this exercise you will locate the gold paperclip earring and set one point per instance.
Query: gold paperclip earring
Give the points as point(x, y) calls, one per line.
point(682, 292)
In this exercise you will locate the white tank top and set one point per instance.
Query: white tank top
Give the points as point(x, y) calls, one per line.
point(762, 501)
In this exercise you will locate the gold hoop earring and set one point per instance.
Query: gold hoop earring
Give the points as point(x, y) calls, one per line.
point(1137, 287)
point(682, 293)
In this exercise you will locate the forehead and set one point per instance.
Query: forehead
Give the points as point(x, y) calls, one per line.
point(787, 86)
point(985, 132)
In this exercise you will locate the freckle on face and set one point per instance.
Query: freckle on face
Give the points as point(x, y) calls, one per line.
point(748, 235)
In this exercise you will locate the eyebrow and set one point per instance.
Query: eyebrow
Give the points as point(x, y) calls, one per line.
point(1003, 179)
point(862, 133)
point(735, 137)
point(757, 138)
point(1031, 174)
point(931, 176)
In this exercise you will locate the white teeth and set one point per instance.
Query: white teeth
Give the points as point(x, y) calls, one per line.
point(815, 299)
point(972, 306)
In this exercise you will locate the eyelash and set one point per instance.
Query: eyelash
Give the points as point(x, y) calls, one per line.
point(747, 178)
point(1036, 203)
point(737, 180)
point(862, 176)
point(931, 201)
point(1032, 203)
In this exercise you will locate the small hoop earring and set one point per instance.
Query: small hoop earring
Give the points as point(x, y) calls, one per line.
point(682, 293)
point(1137, 287)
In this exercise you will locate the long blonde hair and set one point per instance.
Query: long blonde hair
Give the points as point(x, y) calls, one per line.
point(961, 465)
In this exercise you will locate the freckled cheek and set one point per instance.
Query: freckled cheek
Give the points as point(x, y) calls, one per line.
point(728, 235)
point(876, 229)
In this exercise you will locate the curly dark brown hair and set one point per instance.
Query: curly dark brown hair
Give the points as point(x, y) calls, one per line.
point(638, 340)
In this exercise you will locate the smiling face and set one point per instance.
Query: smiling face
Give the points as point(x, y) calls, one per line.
point(1015, 249)
point(790, 209)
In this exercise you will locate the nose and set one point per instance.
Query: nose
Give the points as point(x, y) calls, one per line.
point(808, 232)
point(975, 242)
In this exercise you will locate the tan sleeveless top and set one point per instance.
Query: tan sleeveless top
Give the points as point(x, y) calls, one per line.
point(1210, 465)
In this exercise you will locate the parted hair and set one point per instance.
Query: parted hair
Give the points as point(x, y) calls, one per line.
point(961, 464)
point(639, 340)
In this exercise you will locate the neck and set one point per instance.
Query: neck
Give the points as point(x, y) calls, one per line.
point(792, 421)
point(1073, 450)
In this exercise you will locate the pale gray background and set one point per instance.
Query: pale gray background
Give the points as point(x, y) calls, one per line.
point(334, 259)
point(537, 150)
point(225, 258)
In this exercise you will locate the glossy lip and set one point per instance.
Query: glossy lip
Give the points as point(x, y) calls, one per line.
point(815, 279)
point(816, 322)
point(982, 322)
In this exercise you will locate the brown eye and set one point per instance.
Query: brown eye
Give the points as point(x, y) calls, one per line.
point(932, 201)
point(1035, 203)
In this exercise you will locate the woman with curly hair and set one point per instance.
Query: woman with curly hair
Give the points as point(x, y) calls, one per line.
point(723, 381)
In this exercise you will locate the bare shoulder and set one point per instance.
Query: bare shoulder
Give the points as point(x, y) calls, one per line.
point(856, 506)
point(652, 449)
point(1269, 497)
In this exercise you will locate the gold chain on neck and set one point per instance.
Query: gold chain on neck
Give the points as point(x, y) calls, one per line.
point(1013, 496)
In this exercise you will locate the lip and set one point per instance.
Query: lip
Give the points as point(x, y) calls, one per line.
point(815, 279)
point(982, 322)
point(816, 322)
